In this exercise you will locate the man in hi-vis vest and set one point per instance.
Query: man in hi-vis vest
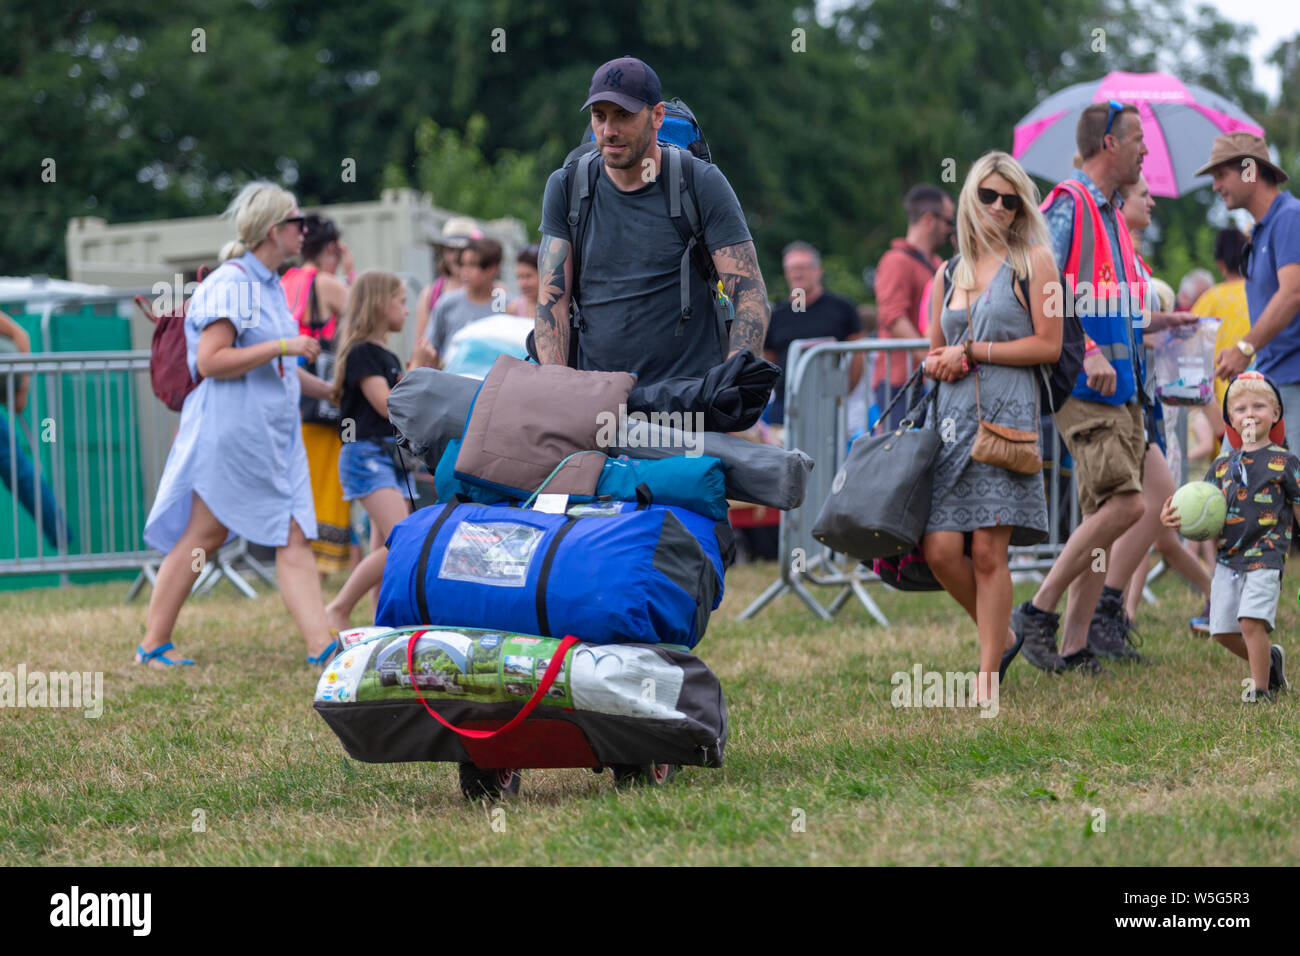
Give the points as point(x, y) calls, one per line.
point(1104, 422)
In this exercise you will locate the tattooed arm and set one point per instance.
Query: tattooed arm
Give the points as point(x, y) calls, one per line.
point(551, 323)
point(743, 282)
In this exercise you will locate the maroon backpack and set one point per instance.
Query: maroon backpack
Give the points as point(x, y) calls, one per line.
point(169, 370)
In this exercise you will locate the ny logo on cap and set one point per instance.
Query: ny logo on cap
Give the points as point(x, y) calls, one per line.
point(614, 77)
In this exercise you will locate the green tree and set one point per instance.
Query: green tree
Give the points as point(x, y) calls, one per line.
point(1282, 123)
point(452, 168)
point(820, 132)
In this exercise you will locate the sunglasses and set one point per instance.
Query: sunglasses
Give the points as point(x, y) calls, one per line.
point(1116, 108)
point(1010, 201)
point(1246, 251)
point(295, 221)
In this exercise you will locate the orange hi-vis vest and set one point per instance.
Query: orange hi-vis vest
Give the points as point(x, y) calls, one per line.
point(1108, 304)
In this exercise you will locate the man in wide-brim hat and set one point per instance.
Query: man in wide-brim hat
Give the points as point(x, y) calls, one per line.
point(1247, 178)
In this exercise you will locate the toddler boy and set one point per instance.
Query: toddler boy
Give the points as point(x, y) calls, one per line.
point(1261, 481)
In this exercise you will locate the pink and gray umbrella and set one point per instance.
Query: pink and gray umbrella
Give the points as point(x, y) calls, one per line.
point(1179, 122)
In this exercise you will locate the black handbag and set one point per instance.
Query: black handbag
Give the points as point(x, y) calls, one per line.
point(880, 499)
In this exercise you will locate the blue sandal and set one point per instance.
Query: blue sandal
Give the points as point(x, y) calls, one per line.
point(323, 658)
point(144, 657)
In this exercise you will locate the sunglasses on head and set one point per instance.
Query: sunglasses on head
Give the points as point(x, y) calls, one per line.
point(1116, 108)
point(1010, 201)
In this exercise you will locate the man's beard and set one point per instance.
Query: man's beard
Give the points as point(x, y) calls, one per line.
point(633, 153)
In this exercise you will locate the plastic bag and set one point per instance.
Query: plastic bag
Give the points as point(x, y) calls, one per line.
point(1185, 363)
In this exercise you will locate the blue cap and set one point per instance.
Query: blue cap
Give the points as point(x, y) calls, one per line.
point(626, 81)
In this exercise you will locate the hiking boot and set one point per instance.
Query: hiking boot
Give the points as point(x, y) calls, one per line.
point(1277, 669)
point(1037, 629)
point(1110, 630)
point(1084, 661)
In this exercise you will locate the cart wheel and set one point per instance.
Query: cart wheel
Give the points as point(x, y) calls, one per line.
point(477, 784)
point(645, 774)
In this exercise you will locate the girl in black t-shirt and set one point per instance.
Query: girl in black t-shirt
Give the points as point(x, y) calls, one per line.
point(364, 374)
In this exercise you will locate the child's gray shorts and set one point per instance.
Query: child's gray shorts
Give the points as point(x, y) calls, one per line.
point(1237, 594)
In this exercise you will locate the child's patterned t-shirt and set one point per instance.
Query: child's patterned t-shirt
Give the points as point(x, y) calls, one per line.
point(1260, 487)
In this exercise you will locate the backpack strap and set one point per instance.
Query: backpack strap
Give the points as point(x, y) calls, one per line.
point(916, 254)
point(685, 217)
point(581, 183)
point(673, 184)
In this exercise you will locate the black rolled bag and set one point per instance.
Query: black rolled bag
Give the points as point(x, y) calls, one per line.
point(614, 704)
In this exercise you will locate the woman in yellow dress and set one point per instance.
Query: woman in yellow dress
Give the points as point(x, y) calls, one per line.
point(316, 297)
point(1226, 302)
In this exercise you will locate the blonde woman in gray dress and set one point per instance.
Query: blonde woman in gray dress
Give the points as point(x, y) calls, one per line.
point(984, 326)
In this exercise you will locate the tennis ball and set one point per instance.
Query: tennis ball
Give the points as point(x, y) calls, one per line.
point(1201, 508)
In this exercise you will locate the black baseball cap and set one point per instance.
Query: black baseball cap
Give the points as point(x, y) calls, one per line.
point(626, 81)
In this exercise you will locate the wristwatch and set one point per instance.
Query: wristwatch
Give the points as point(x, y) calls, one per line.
point(1246, 348)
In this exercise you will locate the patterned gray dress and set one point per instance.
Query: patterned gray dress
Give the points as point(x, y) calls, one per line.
point(970, 494)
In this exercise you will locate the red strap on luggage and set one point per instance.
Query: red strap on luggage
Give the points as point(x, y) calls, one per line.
point(557, 661)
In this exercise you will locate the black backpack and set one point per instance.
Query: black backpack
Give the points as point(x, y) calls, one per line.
point(1056, 381)
point(680, 133)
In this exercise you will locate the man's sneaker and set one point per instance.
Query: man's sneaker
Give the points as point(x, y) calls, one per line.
point(1038, 631)
point(1084, 661)
point(1109, 634)
point(1277, 669)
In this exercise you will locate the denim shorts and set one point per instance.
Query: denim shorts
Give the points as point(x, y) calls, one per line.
point(365, 467)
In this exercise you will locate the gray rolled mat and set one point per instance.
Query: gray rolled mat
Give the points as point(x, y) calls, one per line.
point(760, 474)
point(429, 407)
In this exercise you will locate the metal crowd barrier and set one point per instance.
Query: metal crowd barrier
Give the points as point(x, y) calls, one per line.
point(77, 457)
point(818, 405)
point(82, 465)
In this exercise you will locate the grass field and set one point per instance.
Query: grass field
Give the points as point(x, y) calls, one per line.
point(1181, 770)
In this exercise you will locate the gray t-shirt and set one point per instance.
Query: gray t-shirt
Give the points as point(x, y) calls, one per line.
point(452, 313)
point(630, 284)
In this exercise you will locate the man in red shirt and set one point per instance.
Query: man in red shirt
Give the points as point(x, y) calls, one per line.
point(901, 276)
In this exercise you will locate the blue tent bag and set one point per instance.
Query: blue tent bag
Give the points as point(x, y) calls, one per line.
point(606, 573)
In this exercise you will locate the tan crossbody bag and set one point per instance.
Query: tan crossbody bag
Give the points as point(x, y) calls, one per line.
point(999, 445)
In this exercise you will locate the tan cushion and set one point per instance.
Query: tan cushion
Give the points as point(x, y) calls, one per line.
point(528, 418)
